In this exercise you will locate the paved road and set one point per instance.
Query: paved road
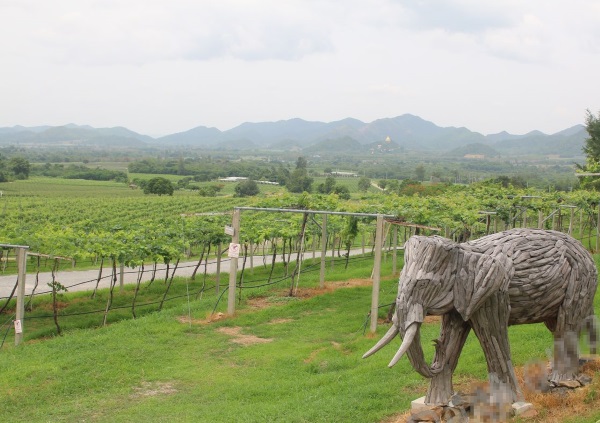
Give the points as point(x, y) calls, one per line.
point(84, 280)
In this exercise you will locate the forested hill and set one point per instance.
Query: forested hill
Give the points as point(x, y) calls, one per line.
point(406, 132)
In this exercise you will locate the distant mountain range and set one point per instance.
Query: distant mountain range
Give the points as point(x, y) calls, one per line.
point(404, 133)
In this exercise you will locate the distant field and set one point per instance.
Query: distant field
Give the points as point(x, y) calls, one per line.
point(66, 188)
point(120, 166)
point(146, 176)
point(74, 188)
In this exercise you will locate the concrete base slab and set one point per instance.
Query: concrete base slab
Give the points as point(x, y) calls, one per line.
point(521, 407)
point(419, 405)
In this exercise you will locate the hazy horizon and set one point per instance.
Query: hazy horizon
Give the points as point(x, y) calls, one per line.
point(159, 67)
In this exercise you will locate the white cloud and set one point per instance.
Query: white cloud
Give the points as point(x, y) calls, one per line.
point(163, 66)
point(466, 16)
point(138, 32)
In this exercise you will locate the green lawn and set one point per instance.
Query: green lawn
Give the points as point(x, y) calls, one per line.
point(305, 367)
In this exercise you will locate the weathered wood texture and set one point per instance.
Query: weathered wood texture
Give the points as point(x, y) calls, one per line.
point(512, 277)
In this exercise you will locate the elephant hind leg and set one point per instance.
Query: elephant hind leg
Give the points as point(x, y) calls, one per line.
point(591, 326)
point(566, 356)
point(490, 324)
point(565, 363)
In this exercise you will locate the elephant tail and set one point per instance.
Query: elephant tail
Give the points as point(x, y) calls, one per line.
point(591, 326)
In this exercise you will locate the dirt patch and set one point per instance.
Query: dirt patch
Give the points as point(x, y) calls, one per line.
point(60, 305)
point(549, 407)
point(313, 355)
point(556, 407)
point(259, 303)
point(187, 320)
point(329, 287)
point(209, 319)
point(237, 337)
point(153, 389)
point(280, 321)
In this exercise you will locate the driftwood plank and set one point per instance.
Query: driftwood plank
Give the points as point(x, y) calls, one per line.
point(512, 277)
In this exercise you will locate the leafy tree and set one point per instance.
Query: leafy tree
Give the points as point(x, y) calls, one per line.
point(420, 172)
point(592, 144)
point(210, 190)
point(282, 175)
point(392, 185)
point(181, 167)
point(508, 181)
point(246, 188)
point(364, 184)
point(301, 162)
point(342, 191)
point(20, 167)
point(299, 181)
point(160, 186)
point(326, 187)
point(184, 183)
point(592, 151)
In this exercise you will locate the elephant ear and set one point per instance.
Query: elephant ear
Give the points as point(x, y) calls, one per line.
point(478, 276)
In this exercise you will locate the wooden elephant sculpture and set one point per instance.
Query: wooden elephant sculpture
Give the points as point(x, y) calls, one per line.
point(512, 277)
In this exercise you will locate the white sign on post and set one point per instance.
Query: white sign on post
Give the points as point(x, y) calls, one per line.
point(229, 230)
point(234, 250)
point(18, 327)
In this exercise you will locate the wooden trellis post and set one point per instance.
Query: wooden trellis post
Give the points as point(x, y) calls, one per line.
point(376, 273)
point(22, 272)
point(121, 276)
point(233, 264)
point(395, 250)
point(251, 257)
point(571, 221)
point(218, 275)
point(332, 249)
point(362, 243)
point(323, 251)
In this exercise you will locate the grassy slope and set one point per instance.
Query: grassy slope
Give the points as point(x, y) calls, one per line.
point(309, 372)
point(159, 369)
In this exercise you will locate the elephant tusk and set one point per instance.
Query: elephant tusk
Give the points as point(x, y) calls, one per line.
point(408, 339)
point(391, 334)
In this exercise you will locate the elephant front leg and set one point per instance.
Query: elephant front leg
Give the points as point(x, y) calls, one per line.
point(453, 334)
point(490, 324)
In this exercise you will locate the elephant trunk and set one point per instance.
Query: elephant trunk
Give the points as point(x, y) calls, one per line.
point(417, 357)
point(411, 344)
point(410, 317)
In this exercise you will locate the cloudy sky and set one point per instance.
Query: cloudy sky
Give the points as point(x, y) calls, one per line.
point(165, 66)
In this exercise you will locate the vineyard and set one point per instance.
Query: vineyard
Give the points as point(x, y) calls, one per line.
point(109, 227)
point(89, 221)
